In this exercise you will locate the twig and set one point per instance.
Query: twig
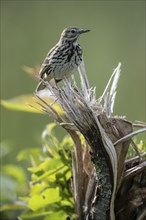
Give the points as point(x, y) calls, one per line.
point(140, 124)
point(108, 84)
point(135, 170)
point(129, 136)
point(136, 149)
point(83, 76)
point(53, 111)
point(135, 159)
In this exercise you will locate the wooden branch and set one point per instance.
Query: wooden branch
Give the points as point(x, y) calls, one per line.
point(78, 174)
point(129, 136)
point(129, 202)
point(109, 139)
point(136, 159)
point(134, 170)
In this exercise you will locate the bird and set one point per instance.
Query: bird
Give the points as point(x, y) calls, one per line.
point(63, 59)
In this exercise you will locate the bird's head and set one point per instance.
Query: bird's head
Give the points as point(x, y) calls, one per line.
point(72, 33)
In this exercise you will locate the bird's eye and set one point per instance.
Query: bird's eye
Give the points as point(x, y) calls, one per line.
point(73, 31)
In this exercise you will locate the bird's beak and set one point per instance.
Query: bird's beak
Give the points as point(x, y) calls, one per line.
point(83, 31)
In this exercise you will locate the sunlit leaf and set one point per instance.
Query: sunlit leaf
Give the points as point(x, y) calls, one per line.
point(47, 170)
point(50, 128)
point(50, 215)
point(48, 165)
point(34, 214)
point(27, 103)
point(57, 215)
point(67, 202)
point(21, 103)
point(48, 195)
point(13, 206)
point(15, 172)
point(45, 198)
point(68, 175)
point(38, 188)
point(27, 153)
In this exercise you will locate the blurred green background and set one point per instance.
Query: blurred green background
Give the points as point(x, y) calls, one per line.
point(30, 28)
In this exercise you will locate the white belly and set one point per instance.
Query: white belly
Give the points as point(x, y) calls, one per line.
point(64, 70)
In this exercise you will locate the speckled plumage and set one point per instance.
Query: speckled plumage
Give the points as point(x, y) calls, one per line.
point(63, 59)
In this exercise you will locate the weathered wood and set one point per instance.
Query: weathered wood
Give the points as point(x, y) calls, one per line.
point(102, 177)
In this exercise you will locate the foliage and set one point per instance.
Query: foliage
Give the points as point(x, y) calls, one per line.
point(27, 103)
point(13, 183)
point(49, 191)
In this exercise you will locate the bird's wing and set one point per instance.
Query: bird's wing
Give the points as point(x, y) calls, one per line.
point(46, 64)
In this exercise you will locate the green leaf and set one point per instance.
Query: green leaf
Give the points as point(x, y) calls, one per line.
point(27, 103)
point(21, 103)
point(16, 172)
point(48, 165)
point(34, 214)
point(47, 170)
point(13, 206)
point(57, 215)
point(38, 188)
point(50, 215)
point(26, 154)
point(45, 198)
point(50, 127)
